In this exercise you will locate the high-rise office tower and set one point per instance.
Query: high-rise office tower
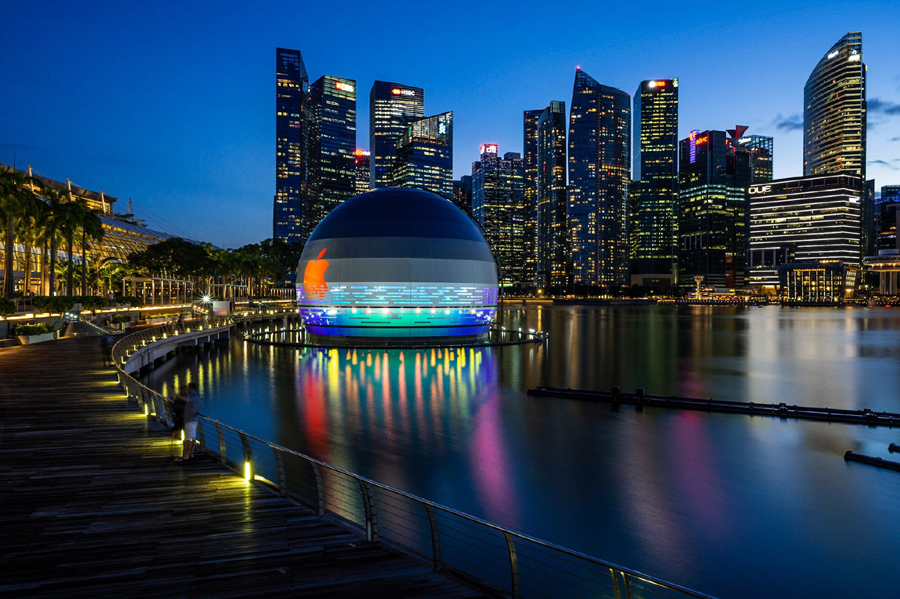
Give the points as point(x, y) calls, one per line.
point(834, 111)
point(361, 182)
point(530, 161)
point(553, 268)
point(392, 106)
point(599, 173)
point(802, 220)
point(498, 204)
point(761, 153)
point(653, 215)
point(462, 194)
point(291, 158)
point(332, 144)
point(425, 156)
point(712, 224)
point(888, 219)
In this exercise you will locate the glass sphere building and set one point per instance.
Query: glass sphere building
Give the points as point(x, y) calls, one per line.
point(394, 264)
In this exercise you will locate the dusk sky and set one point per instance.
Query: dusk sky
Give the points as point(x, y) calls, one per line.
point(173, 104)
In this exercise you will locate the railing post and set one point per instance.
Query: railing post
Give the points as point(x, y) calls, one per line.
point(435, 538)
point(201, 434)
point(513, 564)
point(221, 443)
point(282, 477)
point(320, 490)
point(371, 517)
point(248, 452)
point(627, 585)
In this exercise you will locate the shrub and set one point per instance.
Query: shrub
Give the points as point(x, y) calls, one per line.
point(7, 307)
point(122, 317)
point(130, 300)
point(91, 302)
point(39, 328)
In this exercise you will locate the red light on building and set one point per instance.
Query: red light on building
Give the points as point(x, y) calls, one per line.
point(358, 152)
point(701, 140)
point(488, 148)
point(395, 91)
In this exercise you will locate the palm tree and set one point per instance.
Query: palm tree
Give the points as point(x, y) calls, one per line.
point(15, 198)
point(57, 212)
point(91, 227)
point(70, 219)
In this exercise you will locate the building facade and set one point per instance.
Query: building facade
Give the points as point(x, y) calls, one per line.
point(712, 223)
point(498, 204)
point(761, 151)
point(530, 161)
point(887, 220)
point(392, 106)
point(553, 268)
point(332, 145)
point(801, 220)
point(599, 173)
point(834, 111)
point(424, 156)
point(653, 199)
point(462, 194)
point(291, 152)
point(361, 182)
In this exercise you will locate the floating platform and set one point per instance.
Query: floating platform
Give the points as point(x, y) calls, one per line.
point(851, 456)
point(779, 410)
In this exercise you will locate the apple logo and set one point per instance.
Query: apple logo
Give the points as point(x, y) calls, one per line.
point(314, 277)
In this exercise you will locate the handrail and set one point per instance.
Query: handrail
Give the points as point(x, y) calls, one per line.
point(452, 540)
point(524, 336)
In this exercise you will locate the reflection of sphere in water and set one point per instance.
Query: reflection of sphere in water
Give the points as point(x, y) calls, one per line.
point(396, 263)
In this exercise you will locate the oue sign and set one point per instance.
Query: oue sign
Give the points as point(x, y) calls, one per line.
point(757, 189)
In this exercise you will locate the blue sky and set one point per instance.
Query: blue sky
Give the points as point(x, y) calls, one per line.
point(172, 103)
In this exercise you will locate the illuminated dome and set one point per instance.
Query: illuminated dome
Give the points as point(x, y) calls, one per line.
point(397, 263)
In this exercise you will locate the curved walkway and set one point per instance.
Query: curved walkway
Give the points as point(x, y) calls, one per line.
point(92, 505)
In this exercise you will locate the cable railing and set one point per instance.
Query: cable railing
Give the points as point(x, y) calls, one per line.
point(480, 552)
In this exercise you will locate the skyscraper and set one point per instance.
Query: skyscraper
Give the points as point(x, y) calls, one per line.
point(553, 267)
point(392, 106)
point(291, 157)
point(653, 199)
point(424, 156)
point(834, 111)
point(462, 194)
point(712, 224)
point(530, 161)
point(332, 144)
point(498, 204)
point(888, 217)
point(361, 181)
point(761, 152)
point(599, 172)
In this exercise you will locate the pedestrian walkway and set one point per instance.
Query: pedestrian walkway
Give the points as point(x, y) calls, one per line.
point(93, 505)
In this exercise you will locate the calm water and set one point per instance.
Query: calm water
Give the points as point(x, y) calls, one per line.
point(730, 505)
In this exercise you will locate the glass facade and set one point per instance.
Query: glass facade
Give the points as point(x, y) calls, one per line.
point(530, 161)
point(834, 111)
point(425, 156)
point(361, 182)
point(291, 157)
point(712, 223)
point(762, 153)
point(887, 219)
point(392, 106)
point(462, 194)
point(498, 204)
point(553, 268)
point(332, 145)
point(599, 173)
point(803, 219)
point(653, 200)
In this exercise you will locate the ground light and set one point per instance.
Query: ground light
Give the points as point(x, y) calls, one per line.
point(247, 471)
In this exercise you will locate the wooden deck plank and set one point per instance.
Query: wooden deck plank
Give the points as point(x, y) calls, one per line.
point(93, 505)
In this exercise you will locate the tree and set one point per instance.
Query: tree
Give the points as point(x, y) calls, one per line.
point(15, 198)
point(56, 215)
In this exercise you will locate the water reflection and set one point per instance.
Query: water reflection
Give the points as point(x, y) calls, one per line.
point(706, 500)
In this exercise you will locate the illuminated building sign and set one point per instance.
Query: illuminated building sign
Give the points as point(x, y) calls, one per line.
point(657, 84)
point(832, 54)
point(693, 146)
point(402, 92)
point(361, 153)
point(442, 129)
point(344, 86)
point(488, 148)
point(757, 189)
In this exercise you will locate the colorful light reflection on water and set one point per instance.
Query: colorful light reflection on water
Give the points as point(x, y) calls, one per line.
point(709, 501)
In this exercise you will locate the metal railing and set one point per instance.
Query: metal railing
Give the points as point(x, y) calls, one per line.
point(473, 549)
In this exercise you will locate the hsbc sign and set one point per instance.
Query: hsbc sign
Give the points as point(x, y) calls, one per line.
point(758, 189)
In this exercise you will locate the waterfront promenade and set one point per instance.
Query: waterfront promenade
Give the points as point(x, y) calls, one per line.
point(93, 505)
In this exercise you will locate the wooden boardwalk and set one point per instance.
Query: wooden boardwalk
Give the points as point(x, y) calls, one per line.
point(93, 505)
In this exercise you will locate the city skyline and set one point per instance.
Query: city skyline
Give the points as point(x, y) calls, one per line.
point(186, 157)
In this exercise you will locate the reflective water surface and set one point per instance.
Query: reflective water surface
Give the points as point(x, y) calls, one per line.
point(730, 505)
